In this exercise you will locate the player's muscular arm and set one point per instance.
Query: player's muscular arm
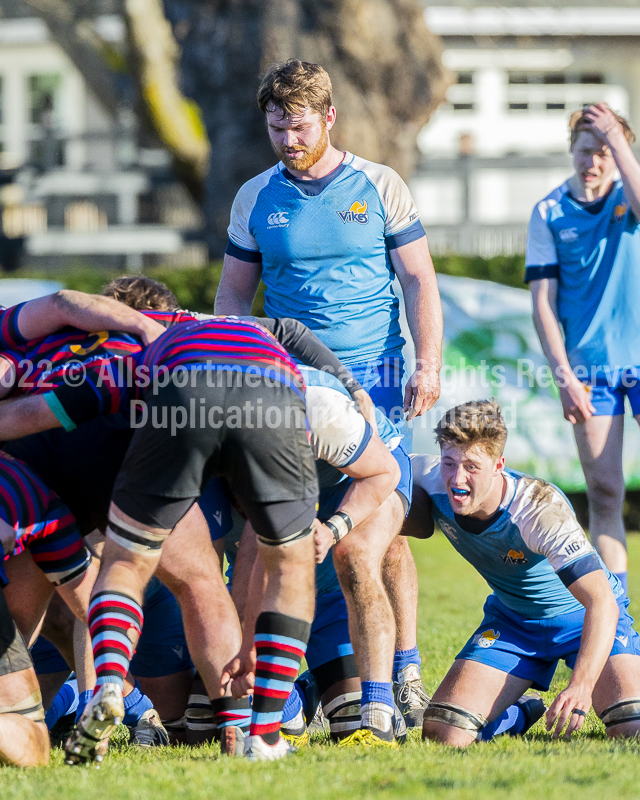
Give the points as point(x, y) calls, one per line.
point(608, 130)
point(89, 312)
point(414, 268)
point(575, 400)
point(24, 416)
point(600, 621)
point(238, 286)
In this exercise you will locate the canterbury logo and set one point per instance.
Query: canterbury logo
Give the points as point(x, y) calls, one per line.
point(278, 218)
point(357, 213)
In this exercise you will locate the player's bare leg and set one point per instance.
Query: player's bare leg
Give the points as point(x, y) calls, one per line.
point(476, 693)
point(400, 578)
point(358, 561)
point(619, 681)
point(115, 621)
point(190, 568)
point(285, 598)
point(599, 442)
point(24, 739)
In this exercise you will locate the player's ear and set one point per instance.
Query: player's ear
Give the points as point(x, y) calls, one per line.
point(500, 464)
point(330, 118)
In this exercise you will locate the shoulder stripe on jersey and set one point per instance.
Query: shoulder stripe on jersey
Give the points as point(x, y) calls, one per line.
point(251, 256)
point(414, 232)
point(578, 568)
point(534, 273)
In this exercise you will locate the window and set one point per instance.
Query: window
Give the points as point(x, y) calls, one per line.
point(555, 106)
point(591, 77)
point(463, 106)
point(518, 106)
point(43, 95)
point(554, 78)
point(465, 78)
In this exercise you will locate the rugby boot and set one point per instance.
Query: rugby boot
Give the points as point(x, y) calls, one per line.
point(533, 707)
point(399, 725)
point(150, 732)
point(232, 741)
point(410, 696)
point(103, 714)
point(256, 749)
point(364, 737)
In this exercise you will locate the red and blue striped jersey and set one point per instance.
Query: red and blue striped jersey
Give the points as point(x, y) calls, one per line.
point(10, 336)
point(41, 521)
point(41, 364)
point(216, 343)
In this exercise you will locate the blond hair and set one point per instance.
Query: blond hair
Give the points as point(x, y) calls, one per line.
point(479, 422)
point(294, 85)
point(578, 123)
point(141, 293)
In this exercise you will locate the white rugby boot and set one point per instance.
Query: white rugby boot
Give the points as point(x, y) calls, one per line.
point(256, 749)
point(103, 714)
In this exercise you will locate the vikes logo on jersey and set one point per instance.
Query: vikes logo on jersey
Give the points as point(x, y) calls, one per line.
point(357, 213)
point(514, 557)
point(619, 211)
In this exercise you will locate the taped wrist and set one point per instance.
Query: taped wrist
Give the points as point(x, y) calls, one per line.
point(339, 524)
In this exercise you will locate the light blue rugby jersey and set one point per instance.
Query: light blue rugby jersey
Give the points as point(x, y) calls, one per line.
point(594, 253)
point(324, 247)
point(531, 553)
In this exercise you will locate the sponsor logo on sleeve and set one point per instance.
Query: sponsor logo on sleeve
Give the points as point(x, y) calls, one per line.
point(448, 530)
point(356, 213)
point(514, 557)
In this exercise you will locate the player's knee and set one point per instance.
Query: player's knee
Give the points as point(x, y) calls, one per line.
point(449, 723)
point(606, 496)
point(622, 719)
point(442, 733)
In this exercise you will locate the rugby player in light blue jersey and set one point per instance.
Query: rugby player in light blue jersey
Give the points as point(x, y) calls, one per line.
point(327, 231)
point(552, 597)
point(583, 253)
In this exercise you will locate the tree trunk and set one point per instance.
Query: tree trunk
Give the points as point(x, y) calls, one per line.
point(384, 64)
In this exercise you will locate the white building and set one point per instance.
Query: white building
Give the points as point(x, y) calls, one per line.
point(500, 141)
point(83, 187)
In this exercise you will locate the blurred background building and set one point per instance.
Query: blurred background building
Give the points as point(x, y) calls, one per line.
point(499, 143)
point(80, 180)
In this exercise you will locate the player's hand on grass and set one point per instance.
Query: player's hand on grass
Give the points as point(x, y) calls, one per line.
point(422, 390)
point(366, 408)
point(603, 123)
point(561, 712)
point(323, 540)
point(576, 401)
point(239, 675)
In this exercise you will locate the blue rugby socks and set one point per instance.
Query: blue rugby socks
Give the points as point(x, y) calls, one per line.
point(376, 708)
point(135, 704)
point(622, 577)
point(402, 659)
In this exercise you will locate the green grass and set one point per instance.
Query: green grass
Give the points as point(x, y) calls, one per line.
point(533, 768)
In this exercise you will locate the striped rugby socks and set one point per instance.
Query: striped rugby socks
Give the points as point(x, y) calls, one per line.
point(281, 642)
point(115, 619)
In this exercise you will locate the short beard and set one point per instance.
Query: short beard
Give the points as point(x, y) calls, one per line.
point(309, 158)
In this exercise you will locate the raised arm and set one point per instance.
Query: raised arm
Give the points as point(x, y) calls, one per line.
point(600, 621)
point(414, 268)
point(89, 312)
point(576, 404)
point(238, 286)
point(608, 130)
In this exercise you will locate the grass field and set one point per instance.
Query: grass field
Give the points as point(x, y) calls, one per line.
point(533, 768)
